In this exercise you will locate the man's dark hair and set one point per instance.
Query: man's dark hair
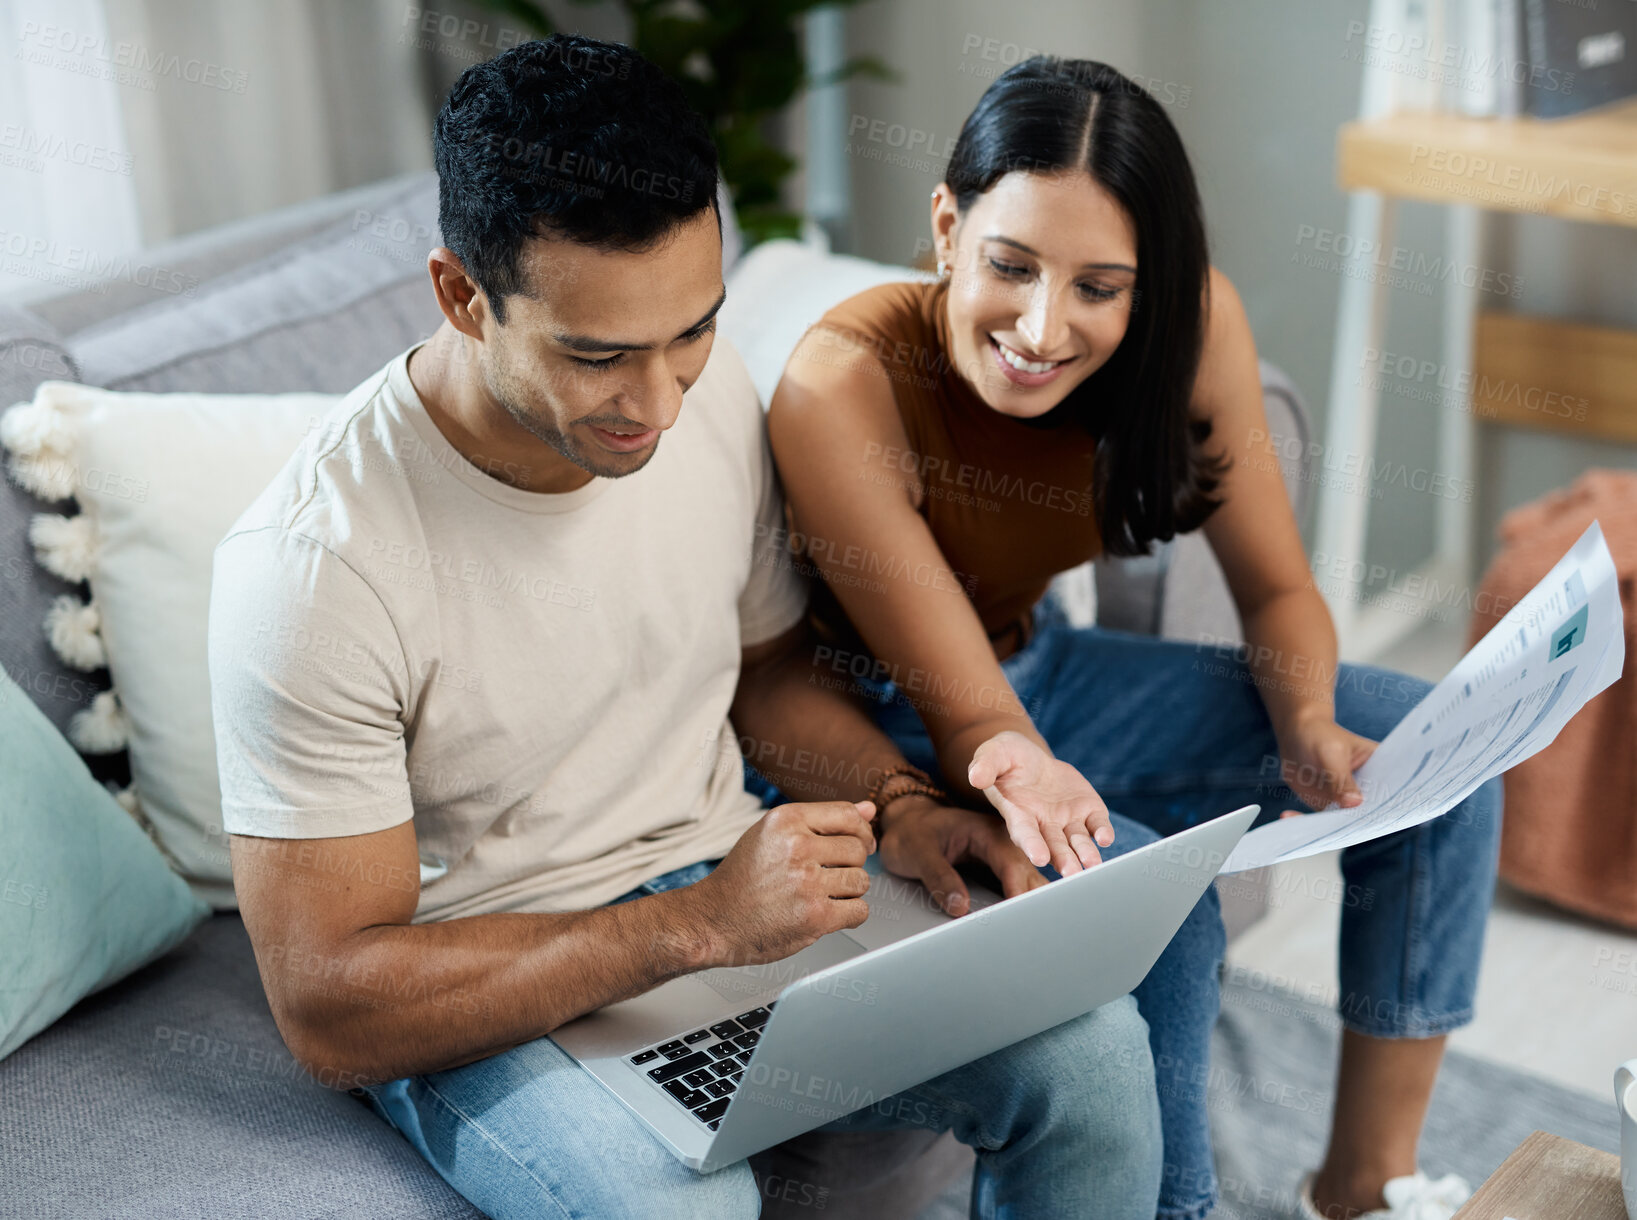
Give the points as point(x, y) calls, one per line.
point(565, 137)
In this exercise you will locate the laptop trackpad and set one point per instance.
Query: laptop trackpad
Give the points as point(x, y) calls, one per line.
point(900, 907)
point(753, 984)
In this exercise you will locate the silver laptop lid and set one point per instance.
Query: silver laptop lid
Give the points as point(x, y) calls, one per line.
point(849, 1036)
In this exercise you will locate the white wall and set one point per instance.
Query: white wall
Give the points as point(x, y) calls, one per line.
point(336, 95)
point(67, 200)
point(250, 107)
point(1274, 80)
point(1258, 89)
point(945, 53)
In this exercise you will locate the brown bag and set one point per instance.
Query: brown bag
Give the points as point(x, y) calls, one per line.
point(1569, 832)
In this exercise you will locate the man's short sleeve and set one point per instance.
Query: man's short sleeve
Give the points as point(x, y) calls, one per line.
point(309, 683)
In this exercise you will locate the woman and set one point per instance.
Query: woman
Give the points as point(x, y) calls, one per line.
point(1080, 381)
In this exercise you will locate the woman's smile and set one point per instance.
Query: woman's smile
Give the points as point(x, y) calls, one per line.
point(1023, 370)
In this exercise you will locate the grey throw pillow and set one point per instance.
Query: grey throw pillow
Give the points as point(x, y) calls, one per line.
point(31, 352)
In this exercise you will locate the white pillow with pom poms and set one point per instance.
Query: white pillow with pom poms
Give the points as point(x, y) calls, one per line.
point(159, 478)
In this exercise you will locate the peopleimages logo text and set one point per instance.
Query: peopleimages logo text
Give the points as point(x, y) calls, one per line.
point(1525, 182)
point(124, 54)
point(481, 574)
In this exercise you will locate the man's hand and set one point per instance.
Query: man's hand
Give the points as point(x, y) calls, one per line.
point(1051, 811)
point(796, 875)
point(924, 840)
point(1317, 761)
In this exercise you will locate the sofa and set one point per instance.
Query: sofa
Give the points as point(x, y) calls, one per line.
point(171, 1092)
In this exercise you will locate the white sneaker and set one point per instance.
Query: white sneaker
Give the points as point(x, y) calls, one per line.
point(1416, 1197)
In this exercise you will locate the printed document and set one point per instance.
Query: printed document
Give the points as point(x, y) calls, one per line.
point(1506, 700)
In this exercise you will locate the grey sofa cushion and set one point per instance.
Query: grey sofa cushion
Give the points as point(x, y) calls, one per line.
point(32, 352)
point(1196, 604)
point(1179, 592)
point(320, 314)
point(171, 1094)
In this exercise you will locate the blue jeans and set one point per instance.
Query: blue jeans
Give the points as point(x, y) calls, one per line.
point(1171, 733)
point(1064, 1124)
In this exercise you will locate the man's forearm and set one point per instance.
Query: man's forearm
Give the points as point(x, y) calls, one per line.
point(816, 742)
point(399, 999)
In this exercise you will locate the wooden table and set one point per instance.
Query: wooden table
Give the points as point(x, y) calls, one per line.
point(1550, 1178)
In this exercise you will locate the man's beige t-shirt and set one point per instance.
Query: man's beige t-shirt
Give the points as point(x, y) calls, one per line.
point(541, 682)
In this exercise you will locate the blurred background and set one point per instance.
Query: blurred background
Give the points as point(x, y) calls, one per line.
point(131, 122)
point(200, 112)
point(1413, 201)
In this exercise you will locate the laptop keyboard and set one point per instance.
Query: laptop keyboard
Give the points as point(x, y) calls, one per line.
point(701, 1070)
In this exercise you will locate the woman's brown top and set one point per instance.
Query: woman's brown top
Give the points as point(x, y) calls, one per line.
point(1008, 500)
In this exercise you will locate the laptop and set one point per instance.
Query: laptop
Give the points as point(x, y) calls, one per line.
point(726, 1062)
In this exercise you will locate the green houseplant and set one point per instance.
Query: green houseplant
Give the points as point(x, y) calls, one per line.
point(740, 63)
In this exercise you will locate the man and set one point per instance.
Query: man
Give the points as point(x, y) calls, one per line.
point(464, 652)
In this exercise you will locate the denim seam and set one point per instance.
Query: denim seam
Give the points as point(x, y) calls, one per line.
point(1194, 1211)
point(947, 1106)
point(1435, 1028)
point(1414, 943)
point(496, 1144)
point(950, 1106)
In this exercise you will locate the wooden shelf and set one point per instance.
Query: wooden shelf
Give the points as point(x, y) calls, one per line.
point(1579, 168)
point(1558, 376)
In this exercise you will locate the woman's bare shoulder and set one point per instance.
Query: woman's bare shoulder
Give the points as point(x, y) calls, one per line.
point(1228, 353)
point(833, 382)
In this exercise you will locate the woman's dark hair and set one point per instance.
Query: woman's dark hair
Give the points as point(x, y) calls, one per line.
point(571, 137)
point(1153, 479)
